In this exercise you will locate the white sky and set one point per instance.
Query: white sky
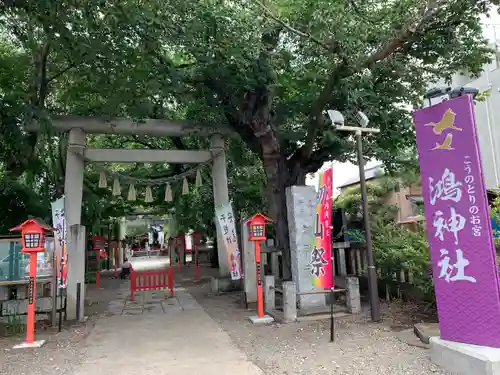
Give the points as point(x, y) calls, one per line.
point(345, 171)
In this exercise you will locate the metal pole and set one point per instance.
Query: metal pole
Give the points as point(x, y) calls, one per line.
point(332, 298)
point(60, 308)
point(372, 274)
point(54, 287)
point(332, 320)
point(78, 298)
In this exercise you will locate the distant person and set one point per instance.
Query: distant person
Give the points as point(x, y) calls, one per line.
point(126, 267)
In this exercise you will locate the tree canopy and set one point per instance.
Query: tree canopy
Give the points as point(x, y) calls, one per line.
point(268, 69)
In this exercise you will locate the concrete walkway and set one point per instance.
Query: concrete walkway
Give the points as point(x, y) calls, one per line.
point(161, 336)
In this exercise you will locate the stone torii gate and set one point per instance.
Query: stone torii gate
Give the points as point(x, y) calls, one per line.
point(78, 153)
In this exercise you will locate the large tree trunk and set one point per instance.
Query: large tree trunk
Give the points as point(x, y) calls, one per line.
point(279, 176)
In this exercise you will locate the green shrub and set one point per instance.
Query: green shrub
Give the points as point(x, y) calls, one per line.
point(397, 249)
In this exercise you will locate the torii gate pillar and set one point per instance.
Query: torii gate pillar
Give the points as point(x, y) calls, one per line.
point(75, 233)
point(221, 194)
point(73, 184)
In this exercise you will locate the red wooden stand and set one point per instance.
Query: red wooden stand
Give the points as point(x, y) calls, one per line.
point(260, 293)
point(151, 280)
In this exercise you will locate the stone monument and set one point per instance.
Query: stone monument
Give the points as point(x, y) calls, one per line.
point(301, 204)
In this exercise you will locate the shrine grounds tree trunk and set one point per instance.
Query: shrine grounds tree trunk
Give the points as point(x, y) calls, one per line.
point(255, 125)
point(280, 176)
point(276, 175)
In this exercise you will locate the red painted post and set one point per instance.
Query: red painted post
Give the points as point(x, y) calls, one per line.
point(197, 262)
point(116, 249)
point(132, 284)
point(196, 241)
point(30, 323)
point(99, 245)
point(98, 273)
point(171, 281)
point(178, 253)
point(260, 294)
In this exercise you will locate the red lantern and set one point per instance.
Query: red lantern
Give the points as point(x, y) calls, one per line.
point(32, 233)
point(258, 227)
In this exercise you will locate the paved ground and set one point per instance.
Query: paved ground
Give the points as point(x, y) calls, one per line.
point(201, 333)
point(154, 334)
point(160, 335)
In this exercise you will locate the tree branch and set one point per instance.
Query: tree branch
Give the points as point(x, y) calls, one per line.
point(42, 84)
point(344, 70)
point(333, 47)
point(362, 15)
point(21, 4)
point(429, 12)
point(66, 69)
point(144, 143)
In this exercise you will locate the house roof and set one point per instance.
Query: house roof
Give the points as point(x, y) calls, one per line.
point(370, 173)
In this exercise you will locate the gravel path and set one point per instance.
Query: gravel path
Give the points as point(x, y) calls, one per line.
point(65, 350)
point(60, 356)
point(360, 348)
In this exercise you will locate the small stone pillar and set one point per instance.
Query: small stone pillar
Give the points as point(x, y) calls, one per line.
point(269, 294)
point(289, 302)
point(341, 262)
point(300, 202)
point(182, 249)
point(274, 258)
point(249, 265)
point(275, 264)
point(353, 299)
point(121, 251)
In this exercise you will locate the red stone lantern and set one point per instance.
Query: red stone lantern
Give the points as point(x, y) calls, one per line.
point(32, 233)
point(258, 233)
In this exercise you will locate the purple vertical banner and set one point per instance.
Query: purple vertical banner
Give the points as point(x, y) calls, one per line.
point(458, 223)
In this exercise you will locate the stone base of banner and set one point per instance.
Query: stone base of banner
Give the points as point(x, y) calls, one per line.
point(266, 319)
point(465, 359)
point(34, 344)
point(225, 284)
